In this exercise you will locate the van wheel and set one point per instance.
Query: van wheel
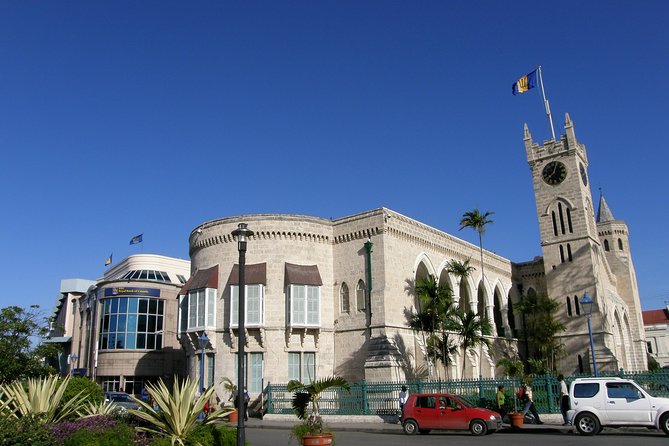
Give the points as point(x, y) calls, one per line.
point(587, 424)
point(410, 427)
point(478, 427)
point(664, 423)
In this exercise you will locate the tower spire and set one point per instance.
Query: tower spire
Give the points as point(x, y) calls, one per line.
point(604, 214)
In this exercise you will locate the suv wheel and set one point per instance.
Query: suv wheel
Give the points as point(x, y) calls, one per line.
point(587, 424)
point(410, 427)
point(664, 422)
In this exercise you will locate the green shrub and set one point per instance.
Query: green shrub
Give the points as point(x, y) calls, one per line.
point(119, 436)
point(23, 431)
point(92, 392)
point(208, 435)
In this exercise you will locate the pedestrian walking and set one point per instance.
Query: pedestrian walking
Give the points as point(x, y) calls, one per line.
point(404, 394)
point(563, 400)
point(529, 403)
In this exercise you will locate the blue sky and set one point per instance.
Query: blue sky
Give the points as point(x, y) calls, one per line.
point(127, 117)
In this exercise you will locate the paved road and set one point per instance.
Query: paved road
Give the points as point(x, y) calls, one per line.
point(257, 436)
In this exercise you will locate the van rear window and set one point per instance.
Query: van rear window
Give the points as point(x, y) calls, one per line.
point(585, 390)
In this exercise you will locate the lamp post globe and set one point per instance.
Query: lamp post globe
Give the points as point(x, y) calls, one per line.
point(242, 233)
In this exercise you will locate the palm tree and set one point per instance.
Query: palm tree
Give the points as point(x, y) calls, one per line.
point(477, 221)
point(306, 394)
point(435, 304)
point(472, 329)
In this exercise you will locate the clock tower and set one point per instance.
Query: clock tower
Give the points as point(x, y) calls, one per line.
point(574, 261)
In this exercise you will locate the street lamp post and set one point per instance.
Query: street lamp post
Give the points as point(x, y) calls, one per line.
point(242, 233)
point(587, 304)
point(202, 340)
point(73, 360)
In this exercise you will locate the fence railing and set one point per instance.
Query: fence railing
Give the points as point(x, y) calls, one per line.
point(382, 398)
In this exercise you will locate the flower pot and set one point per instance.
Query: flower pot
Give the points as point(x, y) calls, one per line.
point(233, 417)
point(316, 440)
point(517, 419)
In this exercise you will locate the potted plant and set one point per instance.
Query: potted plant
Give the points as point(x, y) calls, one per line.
point(514, 368)
point(312, 431)
point(231, 388)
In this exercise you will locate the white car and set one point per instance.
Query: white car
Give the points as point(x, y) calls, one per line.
point(596, 403)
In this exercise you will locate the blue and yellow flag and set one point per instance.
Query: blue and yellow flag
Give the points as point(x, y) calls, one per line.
point(525, 83)
point(109, 260)
point(136, 239)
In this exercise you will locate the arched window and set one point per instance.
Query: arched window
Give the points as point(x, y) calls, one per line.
point(554, 223)
point(569, 306)
point(620, 244)
point(606, 245)
point(569, 251)
point(345, 303)
point(360, 295)
point(561, 254)
point(571, 229)
point(511, 318)
point(580, 364)
point(561, 218)
point(577, 306)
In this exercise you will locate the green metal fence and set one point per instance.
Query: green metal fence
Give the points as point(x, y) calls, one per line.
point(382, 398)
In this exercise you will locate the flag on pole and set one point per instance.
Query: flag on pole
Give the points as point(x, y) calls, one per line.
point(525, 83)
point(136, 239)
point(109, 260)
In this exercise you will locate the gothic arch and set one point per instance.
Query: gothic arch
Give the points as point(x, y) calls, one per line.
point(423, 259)
point(554, 202)
point(497, 311)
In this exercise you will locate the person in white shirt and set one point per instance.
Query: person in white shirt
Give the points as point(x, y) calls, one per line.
point(563, 399)
point(404, 394)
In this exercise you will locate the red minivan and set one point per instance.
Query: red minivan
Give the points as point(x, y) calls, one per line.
point(426, 411)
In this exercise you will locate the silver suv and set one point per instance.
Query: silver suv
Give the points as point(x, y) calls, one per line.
point(614, 402)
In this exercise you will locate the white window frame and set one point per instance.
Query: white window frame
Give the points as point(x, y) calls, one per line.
point(196, 321)
point(300, 368)
point(234, 308)
point(300, 309)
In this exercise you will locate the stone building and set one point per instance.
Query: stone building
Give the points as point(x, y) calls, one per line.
point(656, 323)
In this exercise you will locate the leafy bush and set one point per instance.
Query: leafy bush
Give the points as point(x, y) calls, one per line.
point(209, 435)
point(120, 435)
point(23, 431)
point(61, 431)
point(92, 393)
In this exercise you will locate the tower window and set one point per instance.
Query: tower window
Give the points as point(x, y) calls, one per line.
point(561, 254)
point(620, 244)
point(577, 306)
point(554, 223)
point(606, 245)
point(569, 252)
point(344, 299)
point(568, 306)
point(571, 229)
point(561, 218)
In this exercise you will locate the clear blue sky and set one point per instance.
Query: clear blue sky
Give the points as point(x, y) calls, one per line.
point(127, 117)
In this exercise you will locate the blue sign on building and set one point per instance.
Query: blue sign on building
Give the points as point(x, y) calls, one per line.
point(132, 291)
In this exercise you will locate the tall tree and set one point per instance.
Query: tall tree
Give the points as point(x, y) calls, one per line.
point(477, 221)
point(472, 329)
point(19, 357)
point(541, 328)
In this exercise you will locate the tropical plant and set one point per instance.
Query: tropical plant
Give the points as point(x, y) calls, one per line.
point(477, 221)
point(41, 398)
point(90, 391)
point(472, 329)
point(229, 387)
point(541, 328)
point(514, 368)
point(310, 394)
point(175, 413)
point(24, 431)
point(92, 409)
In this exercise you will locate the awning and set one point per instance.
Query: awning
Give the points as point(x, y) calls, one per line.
point(205, 278)
point(58, 340)
point(253, 274)
point(302, 275)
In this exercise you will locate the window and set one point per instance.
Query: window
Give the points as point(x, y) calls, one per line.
point(255, 373)
point(585, 390)
point(360, 296)
point(254, 305)
point(571, 228)
point(577, 306)
point(606, 245)
point(561, 218)
point(198, 310)
point(211, 361)
point(131, 323)
point(427, 402)
point(345, 305)
point(623, 390)
point(555, 231)
point(569, 252)
point(305, 305)
point(620, 244)
point(302, 366)
point(561, 254)
point(568, 306)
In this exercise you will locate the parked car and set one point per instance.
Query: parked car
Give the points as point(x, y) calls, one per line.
point(596, 403)
point(424, 412)
point(121, 400)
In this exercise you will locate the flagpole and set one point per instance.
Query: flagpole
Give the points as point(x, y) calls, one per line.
point(548, 108)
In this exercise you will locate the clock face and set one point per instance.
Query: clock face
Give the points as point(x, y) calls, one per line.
point(584, 176)
point(554, 173)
